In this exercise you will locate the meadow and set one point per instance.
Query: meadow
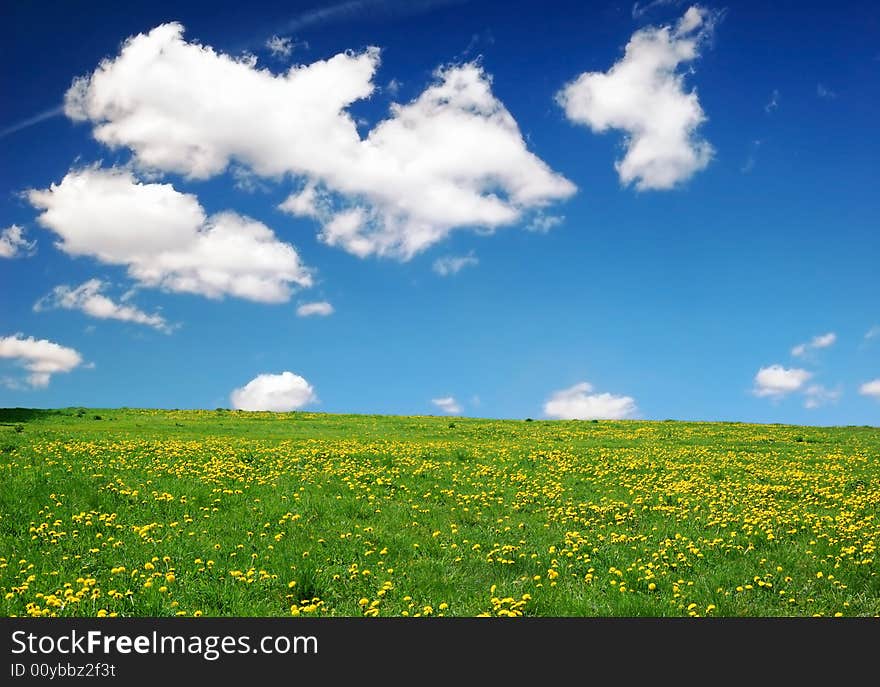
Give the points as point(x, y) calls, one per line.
point(124, 512)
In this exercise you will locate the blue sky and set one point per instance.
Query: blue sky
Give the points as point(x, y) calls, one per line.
point(501, 209)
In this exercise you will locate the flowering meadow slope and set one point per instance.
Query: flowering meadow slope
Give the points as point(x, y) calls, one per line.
point(223, 513)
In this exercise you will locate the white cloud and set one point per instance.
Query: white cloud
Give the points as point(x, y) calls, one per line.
point(245, 180)
point(30, 121)
point(873, 332)
point(352, 10)
point(577, 403)
point(871, 388)
point(447, 404)
point(773, 103)
point(643, 94)
point(88, 298)
point(393, 87)
point(279, 393)
point(542, 223)
point(817, 396)
point(454, 157)
point(639, 9)
point(825, 92)
point(419, 177)
point(280, 46)
point(776, 381)
point(40, 357)
point(165, 238)
point(346, 229)
point(821, 341)
point(185, 108)
point(415, 177)
point(752, 158)
point(309, 202)
point(453, 264)
point(13, 243)
point(320, 308)
point(824, 340)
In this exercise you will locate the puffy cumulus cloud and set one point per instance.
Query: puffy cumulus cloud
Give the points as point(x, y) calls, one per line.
point(447, 404)
point(453, 264)
point(309, 202)
point(578, 403)
point(41, 357)
point(777, 381)
point(319, 308)
point(644, 95)
point(453, 157)
point(871, 388)
point(349, 229)
point(821, 341)
point(165, 238)
point(279, 393)
point(88, 298)
point(13, 243)
point(818, 396)
point(185, 108)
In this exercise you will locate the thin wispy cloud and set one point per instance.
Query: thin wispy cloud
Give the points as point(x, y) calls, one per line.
point(824, 92)
point(13, 244)
point(280, 46)
point(773, 103)
point(393, 87)
point(752, 158)
point(90, 299)
point(274, 39)
point(640, 9)
point(818, 396)
point(245, 180)
point(482, 38)
point(817, 342)
point(453, 264)
point(30, 121)
point(355, 9)
point(543, 223)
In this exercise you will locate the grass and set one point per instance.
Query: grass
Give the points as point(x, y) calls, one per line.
point(161, 513)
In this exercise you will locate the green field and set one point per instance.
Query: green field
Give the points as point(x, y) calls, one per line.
point(223, 513)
